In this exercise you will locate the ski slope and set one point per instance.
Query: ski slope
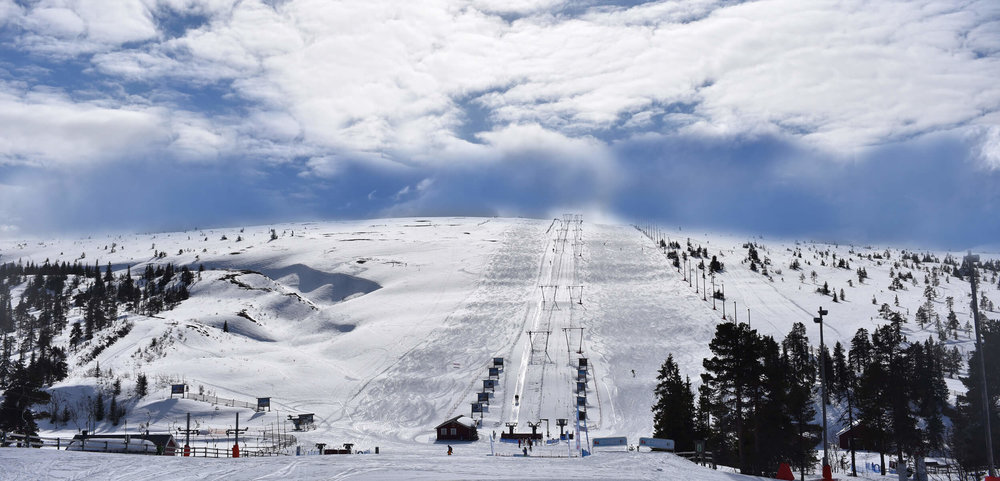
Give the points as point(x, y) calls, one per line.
point(386, 328)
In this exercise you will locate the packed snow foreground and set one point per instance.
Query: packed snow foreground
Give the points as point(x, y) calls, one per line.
point(382, 330)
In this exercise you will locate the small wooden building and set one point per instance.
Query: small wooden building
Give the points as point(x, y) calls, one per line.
point(458, 428)
point(858, 431)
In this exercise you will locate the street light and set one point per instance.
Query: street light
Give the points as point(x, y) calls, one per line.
point(822, 384)
point(970, 261)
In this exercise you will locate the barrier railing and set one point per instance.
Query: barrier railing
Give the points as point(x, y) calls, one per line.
point(220, 400)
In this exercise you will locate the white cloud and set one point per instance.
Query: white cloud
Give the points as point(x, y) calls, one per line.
point(49, 129)
point(989, 147)
point(391, 82)
point(9, 11)
point(59, 22)
point(197, 139)
point(424, 184)
point(66, 28)
point(324, 166)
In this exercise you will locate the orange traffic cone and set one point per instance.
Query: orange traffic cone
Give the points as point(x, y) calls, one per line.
point(785, 472)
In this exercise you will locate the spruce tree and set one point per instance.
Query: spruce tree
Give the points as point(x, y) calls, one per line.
point(98, 407)
point(674, 411)
point(23, 391)
point(845, 389)
point(969, 438)
point(141, 385)
point(929, 393)
point(800, 380)
point(775, 431)
point(734, 377)
point(113, 411)
point(892, 369)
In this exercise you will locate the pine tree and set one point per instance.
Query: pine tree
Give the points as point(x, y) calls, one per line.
point(23, 391)
point(952, 324)
point(113, 411)
point(674, 411)
point(929, 393)
point(845, 388)
point(887, 381)
point(141, 385)
point(75, 335)
point(741, 394)
point(968, 438)
point(98, 407)
point(774, 429)
point(727, 378)
point(715, 265)
point(800, 374)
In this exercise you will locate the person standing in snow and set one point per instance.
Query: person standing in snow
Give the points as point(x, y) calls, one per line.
point(449, 450)
point(525, 451)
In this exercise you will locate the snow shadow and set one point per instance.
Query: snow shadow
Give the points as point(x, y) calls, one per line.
point(317, 285)
point(334, 287)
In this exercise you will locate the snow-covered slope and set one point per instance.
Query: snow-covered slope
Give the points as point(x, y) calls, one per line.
point(386, 328)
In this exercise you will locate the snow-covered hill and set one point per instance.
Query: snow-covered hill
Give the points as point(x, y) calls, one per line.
point(386, 328)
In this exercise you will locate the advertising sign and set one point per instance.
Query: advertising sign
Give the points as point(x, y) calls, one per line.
point(657, 443)
point(615, 441)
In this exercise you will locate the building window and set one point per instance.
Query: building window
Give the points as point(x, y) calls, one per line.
point(454, 431)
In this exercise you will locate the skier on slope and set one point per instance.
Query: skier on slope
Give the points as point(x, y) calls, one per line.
point(449, 450)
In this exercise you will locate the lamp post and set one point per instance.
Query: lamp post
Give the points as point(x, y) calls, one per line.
point(970, 261)
point(822, 384)
point(704, 287)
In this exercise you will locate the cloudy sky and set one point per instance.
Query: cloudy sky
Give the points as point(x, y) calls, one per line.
point(823, 119)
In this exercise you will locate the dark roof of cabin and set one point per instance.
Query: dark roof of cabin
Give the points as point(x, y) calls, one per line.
point(159, 439)
point(467, 423)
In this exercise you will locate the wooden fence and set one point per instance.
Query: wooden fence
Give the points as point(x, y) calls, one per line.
point(138, 446)
point(223, 401)
point(207, 452)
point(15, 440)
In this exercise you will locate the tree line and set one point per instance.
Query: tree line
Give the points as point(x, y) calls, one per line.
point(757, 403)
point(30, 357)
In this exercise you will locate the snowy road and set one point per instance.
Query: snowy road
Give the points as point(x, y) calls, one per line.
point(34, 465)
